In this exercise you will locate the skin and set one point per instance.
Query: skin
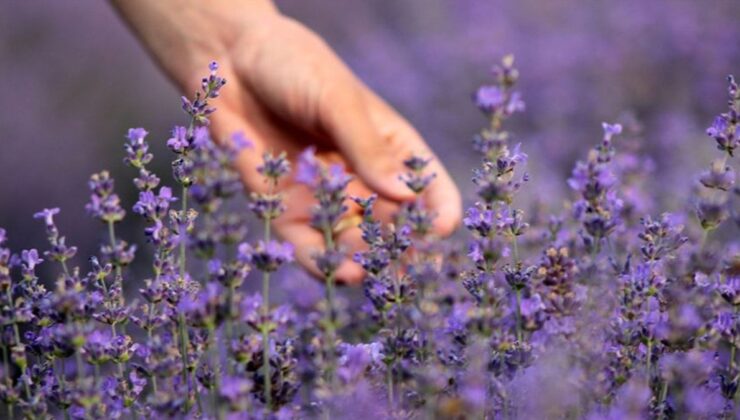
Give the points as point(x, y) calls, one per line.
point(287, 90)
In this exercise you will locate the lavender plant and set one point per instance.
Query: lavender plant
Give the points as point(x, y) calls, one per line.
point(604, 309)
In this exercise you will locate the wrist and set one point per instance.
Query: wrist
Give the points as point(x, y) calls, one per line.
point(183, 36)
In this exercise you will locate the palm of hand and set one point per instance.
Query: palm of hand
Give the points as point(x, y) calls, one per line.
point(289, 91)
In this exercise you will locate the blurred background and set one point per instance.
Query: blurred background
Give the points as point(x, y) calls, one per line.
point(73, 79)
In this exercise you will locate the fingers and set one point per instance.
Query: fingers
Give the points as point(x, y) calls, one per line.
point(344, 114)
point(308, 242)
point(294, 226)
point(442, 195)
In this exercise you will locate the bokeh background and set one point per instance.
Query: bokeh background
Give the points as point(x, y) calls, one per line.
point(73, 79)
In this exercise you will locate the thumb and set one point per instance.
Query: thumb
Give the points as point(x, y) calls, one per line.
point(345, 115)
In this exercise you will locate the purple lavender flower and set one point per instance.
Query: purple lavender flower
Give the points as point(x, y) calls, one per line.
point(661, 238)
point(48, 216)
point(266, 256)
point(724, 127)
point(274, 167)
point(489, 98)
point(480, 221)
point(235, 391)
point(328, 184)
point(137, 149)
point(720, 176)
point(104, 203)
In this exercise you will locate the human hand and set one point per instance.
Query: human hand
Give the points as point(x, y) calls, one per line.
point(287, 90)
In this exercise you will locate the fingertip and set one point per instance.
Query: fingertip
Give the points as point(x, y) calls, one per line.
point(350, 273)
point(386, 182)
point(446, 200)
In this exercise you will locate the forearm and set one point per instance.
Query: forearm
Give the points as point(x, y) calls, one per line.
point(183, 35)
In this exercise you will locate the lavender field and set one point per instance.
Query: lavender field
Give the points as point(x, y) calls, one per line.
point(595, 273)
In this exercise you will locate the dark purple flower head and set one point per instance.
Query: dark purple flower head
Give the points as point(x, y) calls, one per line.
point(152, 206)
point(235, 391)
point(485, 252)
point(499, 100)
point(328, 261)
point(724, 127)
point(266, 256)
point(313, 173)
point(266, 206)
point(251, 309)
point(202, 138)
point(356, 359)
point(120, 254)
point(720, 176)
point(136, 135)
point(47, 215)
point(661, 238)
point(417, 182)
point(479, 220)
point(309, 168)
point(178, 141)
point(373, 261)
point(212, 84)
point(489, 98)
point(725, 324)
point(379, 290)
point(611, 130)
point(274, 167)
point(416, 163)
point(104, 203)
point(239, 142)
point(146, 180)
point(507, 160)
point(30, 259)
point(328, 185)
point(494, 186)
point(207, 309)
point(97, 347)
point(518, 277)
point(510, 222)
point(137, 149)
point(366, 204)
point(730, 290)
point(711, 209)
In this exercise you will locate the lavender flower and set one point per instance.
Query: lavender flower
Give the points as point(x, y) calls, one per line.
point(266, 256)
point(634, 314)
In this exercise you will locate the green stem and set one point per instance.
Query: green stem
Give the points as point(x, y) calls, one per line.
point(704, 239)
point(663, 396)
point(149, 339)
point(265, 332)
point(59, 373)
point(266, 339)
point(16, 333)
point(185, 340)
point(732, 356)
point(112, 237)
point(649, 360)
point(229, 332)
point(216, 370)
point(80, 364)
point(183, 261)
point(96, 376)
point(391, 397)
point(330, 311)
point(184, 345)
point(6, 365)
point(64, 267)
point(519, 315)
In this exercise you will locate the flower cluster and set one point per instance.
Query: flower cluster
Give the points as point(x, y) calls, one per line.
point(605, 309)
